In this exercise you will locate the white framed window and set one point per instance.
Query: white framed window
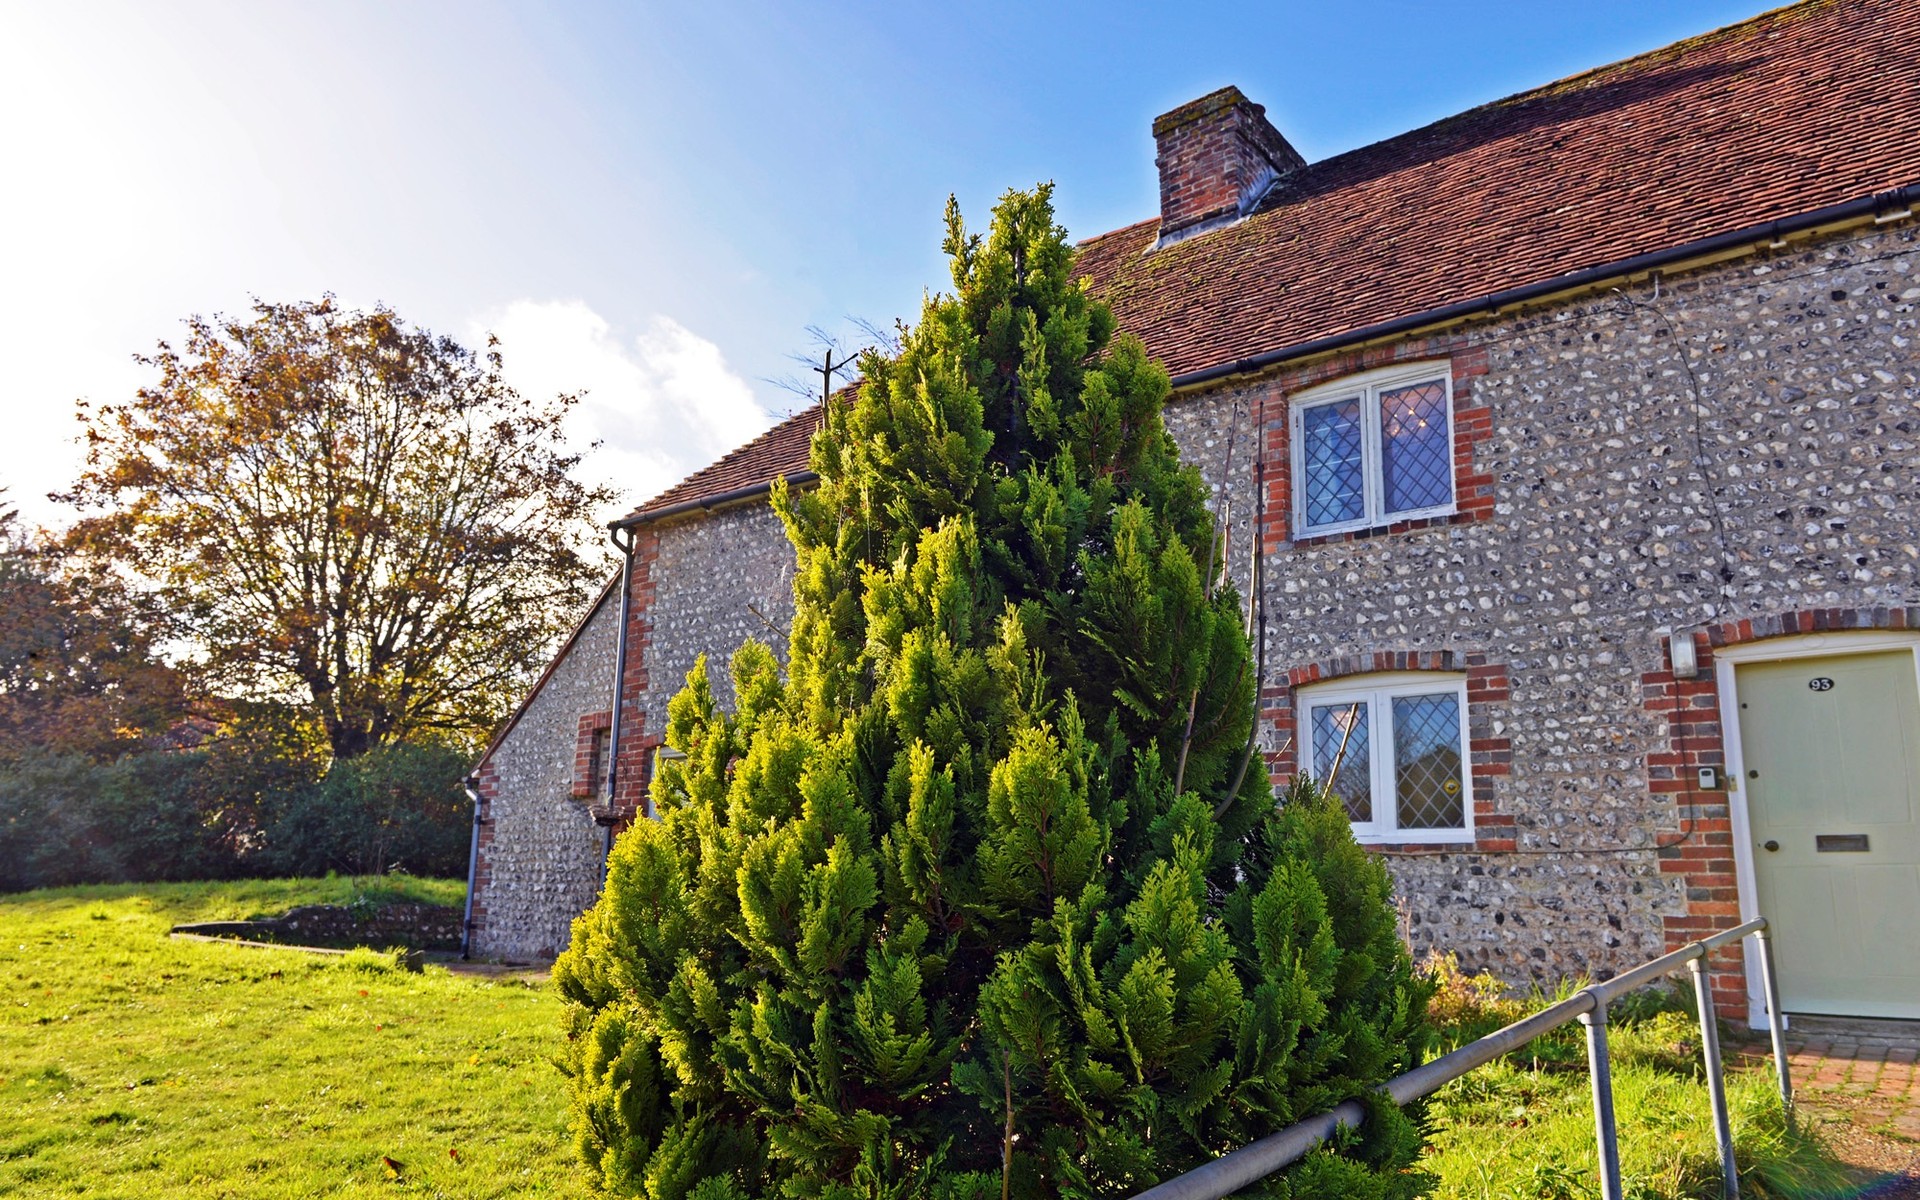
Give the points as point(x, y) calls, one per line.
point(1374, 448)
point(1393, 747)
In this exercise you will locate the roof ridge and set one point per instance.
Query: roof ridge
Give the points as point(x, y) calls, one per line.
point(1675, 48)
point(1565, 83)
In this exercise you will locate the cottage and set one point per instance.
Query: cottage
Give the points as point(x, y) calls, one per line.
point(1575, 437)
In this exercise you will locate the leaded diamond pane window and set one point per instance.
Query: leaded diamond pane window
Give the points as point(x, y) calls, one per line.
point(1416, 463)
point(1373, 449)
point(1340, 741)
point(1336, 468)
point(1392, 747)
point(1426, 762)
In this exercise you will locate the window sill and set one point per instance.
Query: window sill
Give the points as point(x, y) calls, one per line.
point(1405, 525)
point(1463, 838)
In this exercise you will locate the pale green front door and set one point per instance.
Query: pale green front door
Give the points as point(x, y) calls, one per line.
point(1832, 750)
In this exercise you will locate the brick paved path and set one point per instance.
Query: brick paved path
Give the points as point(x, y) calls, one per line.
point(1861, 1082)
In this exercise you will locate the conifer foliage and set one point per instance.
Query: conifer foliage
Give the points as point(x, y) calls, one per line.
point(980, 899)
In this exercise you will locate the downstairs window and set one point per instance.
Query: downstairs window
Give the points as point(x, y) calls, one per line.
point(1393, 748)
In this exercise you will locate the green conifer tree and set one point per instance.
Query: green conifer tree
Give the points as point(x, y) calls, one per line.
point(979, 900)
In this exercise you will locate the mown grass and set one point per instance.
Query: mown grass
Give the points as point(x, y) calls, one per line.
point(1522, 1128)
point(135, 1065)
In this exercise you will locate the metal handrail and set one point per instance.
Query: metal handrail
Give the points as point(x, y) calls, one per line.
point(1248, 1165)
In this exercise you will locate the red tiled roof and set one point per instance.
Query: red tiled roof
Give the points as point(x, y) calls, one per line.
point(1791, 111)
point(779, 451)
point(1780, 115)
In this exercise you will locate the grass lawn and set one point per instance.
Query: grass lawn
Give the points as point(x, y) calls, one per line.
point(1522, 1128)
point(135, 1065)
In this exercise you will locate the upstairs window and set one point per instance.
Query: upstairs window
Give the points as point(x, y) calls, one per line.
point(1392, 747)
point(1372, 449)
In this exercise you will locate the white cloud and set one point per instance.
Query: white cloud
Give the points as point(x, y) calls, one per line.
point(663, 405)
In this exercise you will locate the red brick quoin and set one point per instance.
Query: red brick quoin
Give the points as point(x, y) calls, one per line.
point(635, 751)
point(1701, 853)
point(1489, 688)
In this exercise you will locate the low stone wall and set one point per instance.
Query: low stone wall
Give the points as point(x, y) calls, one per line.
point(402, 923)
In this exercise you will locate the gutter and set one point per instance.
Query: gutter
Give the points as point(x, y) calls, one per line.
point(1848, 211)
point(619, 666)
point(703, 504)
point(472, 785)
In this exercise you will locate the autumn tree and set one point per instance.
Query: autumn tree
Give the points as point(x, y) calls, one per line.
point(335, 507)
point(985, 895)
point(79, 671)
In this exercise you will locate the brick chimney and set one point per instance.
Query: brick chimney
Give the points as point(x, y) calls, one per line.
point(1217, 157)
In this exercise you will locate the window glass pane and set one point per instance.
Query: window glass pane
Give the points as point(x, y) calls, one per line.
point(1426, 762)
point(1416, 464)
point(1335, 476)
point(1338, 727)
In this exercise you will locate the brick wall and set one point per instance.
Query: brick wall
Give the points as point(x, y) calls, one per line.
point(637, 740)
point(701, 585)
point(589, 754)
point(1215, 155)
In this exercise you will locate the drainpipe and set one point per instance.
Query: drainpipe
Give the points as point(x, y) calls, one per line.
point(472, 785)
point(614, 534)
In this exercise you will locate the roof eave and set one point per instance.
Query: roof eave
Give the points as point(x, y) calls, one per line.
point(1847, 212)
point(702, 504)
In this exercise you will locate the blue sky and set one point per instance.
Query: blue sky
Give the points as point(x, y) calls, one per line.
point(648, 201)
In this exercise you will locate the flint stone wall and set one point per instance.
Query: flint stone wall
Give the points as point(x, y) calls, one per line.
point(541, 852)
point(720, 580)
point(1759, 418)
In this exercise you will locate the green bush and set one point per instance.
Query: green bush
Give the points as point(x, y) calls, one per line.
point(399, 807)
point(67, 819)
point(989, 895)
point(49, 831)
point(241, 806)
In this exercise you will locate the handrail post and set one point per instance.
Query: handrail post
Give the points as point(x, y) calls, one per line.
point(1776, 1020)
point(1716, 1082)
point(1600, 1068)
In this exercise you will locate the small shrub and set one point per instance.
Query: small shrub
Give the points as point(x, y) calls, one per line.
point(1465, 1008)
point(368, 961)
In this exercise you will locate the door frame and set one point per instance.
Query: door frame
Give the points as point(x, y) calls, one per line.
point(1726, 659)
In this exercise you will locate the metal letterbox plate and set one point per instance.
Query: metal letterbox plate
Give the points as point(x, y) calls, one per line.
point(1840, 843)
